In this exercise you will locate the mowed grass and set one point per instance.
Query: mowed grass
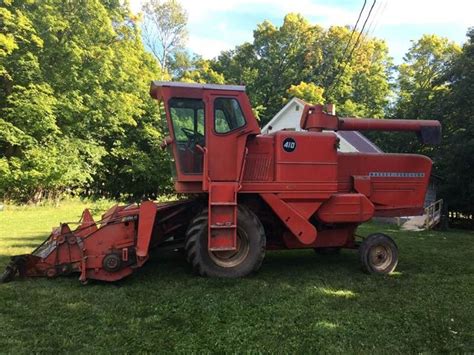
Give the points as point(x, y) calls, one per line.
point(298, 302)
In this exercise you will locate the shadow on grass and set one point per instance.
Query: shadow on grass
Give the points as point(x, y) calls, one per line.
point(40, 238)
point(298, 302)
point(278, 267)
point(33, 246)
point(284, 270)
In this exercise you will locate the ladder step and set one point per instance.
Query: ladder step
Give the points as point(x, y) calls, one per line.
point(223, 204)
point(223, 226)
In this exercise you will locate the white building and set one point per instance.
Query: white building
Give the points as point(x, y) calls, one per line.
point(289, 118)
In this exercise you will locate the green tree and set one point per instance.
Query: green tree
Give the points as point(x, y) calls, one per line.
point(281, 57)
point(421, 75)
point(29, 161)
point(164, 29)
point(421, 87)
point(74, 102)
point(199, 70)
point(455, 157)
point(308, 92)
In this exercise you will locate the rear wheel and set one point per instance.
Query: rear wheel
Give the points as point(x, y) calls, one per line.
point(378, 254)
point(246, 259)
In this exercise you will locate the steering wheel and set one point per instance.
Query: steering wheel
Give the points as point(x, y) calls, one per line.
point(194, 138)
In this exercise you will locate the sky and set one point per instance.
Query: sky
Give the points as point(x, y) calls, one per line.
point(217, 25)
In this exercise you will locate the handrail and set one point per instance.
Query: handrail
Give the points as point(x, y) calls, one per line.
point(205, 168)
point(433, 214)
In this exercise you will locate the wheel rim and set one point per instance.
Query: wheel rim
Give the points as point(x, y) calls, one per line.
point(232, 258)
point(380, 257)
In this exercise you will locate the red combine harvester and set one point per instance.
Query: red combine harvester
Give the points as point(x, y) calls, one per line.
point(248, 192)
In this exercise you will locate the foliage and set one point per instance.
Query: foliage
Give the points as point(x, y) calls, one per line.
point(199, 70)
point(420, 87)
point(47, 171)
point(75, 115)
point(436, 82)
point(298, 302)
point(285, 56)
point(420, 77)
point(164, 29)
point(308, 92)
point(74, 79)
point(455, 157)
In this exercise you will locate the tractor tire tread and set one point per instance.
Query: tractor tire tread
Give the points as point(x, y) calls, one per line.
point(194, 237)
point(370, 241)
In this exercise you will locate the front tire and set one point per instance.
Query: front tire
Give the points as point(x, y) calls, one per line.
point(378, 254)
point(246, 259)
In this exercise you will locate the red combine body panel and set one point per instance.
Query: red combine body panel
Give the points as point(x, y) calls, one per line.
point(251, 192)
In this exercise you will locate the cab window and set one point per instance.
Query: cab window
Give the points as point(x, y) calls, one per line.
point(228, 115)
point(187, 117)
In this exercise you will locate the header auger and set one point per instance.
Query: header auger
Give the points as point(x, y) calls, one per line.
point(250, 193)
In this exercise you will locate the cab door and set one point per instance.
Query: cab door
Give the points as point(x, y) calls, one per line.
point(226, 136)
point(228, 128)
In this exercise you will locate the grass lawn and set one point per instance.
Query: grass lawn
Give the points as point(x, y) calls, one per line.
point(298, 302)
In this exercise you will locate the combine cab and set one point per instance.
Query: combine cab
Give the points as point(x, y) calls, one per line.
point(251, 192)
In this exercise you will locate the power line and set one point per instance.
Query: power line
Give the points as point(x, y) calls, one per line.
point(380, 16)
point(338, 77)
point(350, 38)
point(353, 30)
point(374, 17)
point(361, 32)
point(375, 20)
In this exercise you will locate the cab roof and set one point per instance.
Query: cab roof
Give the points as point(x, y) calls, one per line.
point(157, 84)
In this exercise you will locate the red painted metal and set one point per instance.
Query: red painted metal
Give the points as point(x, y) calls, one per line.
point(222, 207)
point(346, 208)
point(370, 124)
point(299, 226)
point(305, 192)
point(147, 214)
point(109, 249)
point(324, 185)
point(314, 118)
